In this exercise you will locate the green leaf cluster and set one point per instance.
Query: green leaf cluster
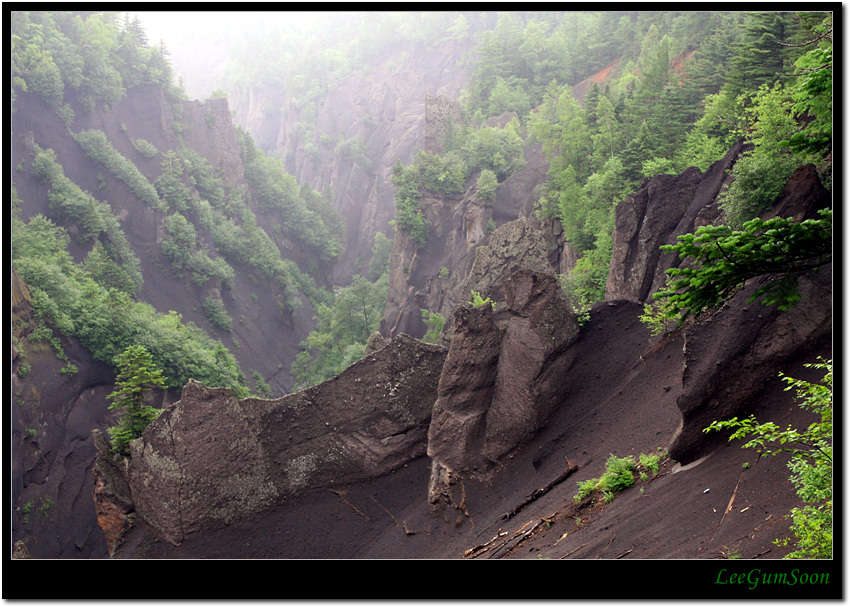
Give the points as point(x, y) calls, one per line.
point(95, 55)
point(343, 328)
point(77, 300)
point(811, 462)
point(720, 260)
point(619, 475)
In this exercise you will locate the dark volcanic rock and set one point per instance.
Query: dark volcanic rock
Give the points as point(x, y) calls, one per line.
point(365, 422)
point(664, 207)
point(503, 378)
point(734, 352)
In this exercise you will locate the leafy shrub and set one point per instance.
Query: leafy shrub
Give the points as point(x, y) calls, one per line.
point(217, 313)
point(478, 301)
point(181, 239)
point(145, 148)
point(136, 377)
point(811, 462)
point(487, 184)
point(434, 321)
point(96, 146)
point(619, 475)
point(758, 180)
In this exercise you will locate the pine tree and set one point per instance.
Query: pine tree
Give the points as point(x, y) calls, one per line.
point(136, 377)
point(762, 56)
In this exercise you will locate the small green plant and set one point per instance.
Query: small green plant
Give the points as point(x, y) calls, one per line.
point(650, 462)
point(145, 148)
point(217, 313)
point(434, 321)
point(443, 273)
point(478, 301)
point(70, 369)
point(25, 512)
point(655, 319)
point(262, 387)
point(619, 475)
point(24, 369)
point(46, 505)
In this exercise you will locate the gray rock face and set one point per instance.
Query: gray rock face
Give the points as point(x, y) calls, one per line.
point(664, 207)
point(734, 352)
point(212, 458)
point(504, 373)
point(385, 107)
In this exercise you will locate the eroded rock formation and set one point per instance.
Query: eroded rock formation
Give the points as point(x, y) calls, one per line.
point(211, 458)
point(665, 206)
point(505, 372)
point(734, 352)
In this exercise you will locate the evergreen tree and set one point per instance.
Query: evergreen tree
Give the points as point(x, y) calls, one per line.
point(762, 55)
point(136, 377)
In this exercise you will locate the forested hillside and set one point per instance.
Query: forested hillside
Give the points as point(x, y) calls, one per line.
point(342, 176)
point(611, 98)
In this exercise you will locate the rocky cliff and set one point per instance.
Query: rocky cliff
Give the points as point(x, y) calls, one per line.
point(436, 277)
point(55, 411)
point(523, 404)
point(258, 454)
point(384, 109)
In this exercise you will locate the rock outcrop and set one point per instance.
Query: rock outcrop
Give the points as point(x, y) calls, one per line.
point(730, 353)
point(435, 277)
point(256, 454)
point(734, 352)
point(665, 207)
point(507, 362)
point(383, 108)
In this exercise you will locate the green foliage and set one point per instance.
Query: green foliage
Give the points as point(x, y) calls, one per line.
point(217, 313)
point(758, 181)
point(181, 239)
point(409, 214)
point(434, 321)
point(381, 253)
point(355, 150)
point(811, 461)
point(722, 260)
point(301, 213)
point(97, 54)
point(145, 148)
point(342, 331)
point(95, 221)
point(654, 318)
point(619, 475)
point(585, 284)
point(96, 145)
point(495, 153)
point(478, 301)
point(487, 184)
point(137, 376)
point(107, 320)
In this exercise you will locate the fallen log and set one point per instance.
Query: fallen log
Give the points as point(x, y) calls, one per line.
point(538, 493)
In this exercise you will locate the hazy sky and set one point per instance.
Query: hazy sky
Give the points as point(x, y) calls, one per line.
point(199, 41)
